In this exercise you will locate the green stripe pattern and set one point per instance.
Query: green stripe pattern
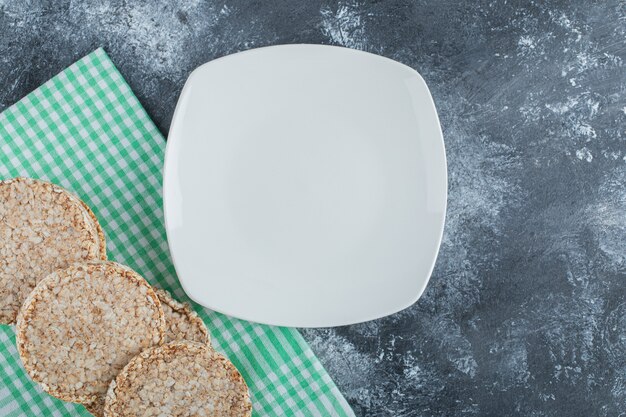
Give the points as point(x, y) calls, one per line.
point(86, 131)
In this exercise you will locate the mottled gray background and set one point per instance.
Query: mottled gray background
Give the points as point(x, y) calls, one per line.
point(525, 314)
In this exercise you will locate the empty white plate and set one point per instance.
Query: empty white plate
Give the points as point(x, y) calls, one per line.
point(305, 185)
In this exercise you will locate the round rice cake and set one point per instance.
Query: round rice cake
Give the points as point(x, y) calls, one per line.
point(178, 379)
point(43, 227)
point(81, 325)
point(181, 322)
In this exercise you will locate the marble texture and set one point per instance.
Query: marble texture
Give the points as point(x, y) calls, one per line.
point(525, 314)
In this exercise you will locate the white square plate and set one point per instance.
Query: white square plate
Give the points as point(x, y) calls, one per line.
point(305, 185)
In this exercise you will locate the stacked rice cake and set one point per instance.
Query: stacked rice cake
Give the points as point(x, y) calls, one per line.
point(181, 322)
point(43, 227)
point(81, 319)
point(180, 378)
point(81, 325)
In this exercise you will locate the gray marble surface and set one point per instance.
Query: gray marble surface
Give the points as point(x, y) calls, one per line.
point(525, 314)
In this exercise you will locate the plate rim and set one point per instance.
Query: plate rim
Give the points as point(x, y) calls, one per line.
point(313, 324)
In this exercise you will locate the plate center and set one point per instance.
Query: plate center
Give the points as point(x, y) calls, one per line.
point(299, 182)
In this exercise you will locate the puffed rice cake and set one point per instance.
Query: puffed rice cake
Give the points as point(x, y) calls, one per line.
point(81, 325)
point(178, 379)
point(43, 227)
point(181, 322)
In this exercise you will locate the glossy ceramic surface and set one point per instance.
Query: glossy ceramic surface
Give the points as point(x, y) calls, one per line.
point(305, 186)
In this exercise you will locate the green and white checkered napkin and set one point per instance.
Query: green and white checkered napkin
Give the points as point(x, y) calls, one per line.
point(85, 130)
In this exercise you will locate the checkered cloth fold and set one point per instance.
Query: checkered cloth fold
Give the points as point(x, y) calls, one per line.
point(85, 130)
